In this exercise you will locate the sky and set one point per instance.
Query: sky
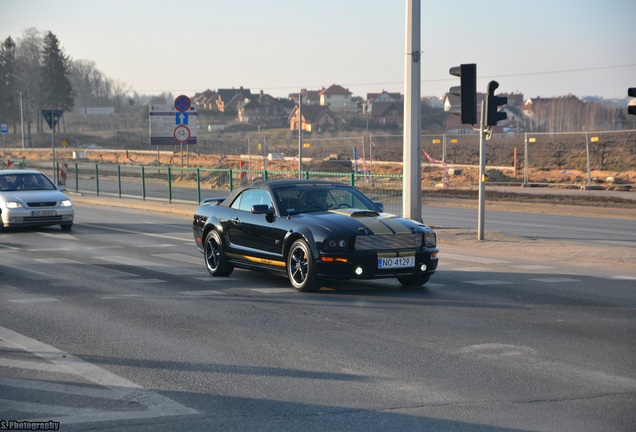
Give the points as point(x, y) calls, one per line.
point(543, 48)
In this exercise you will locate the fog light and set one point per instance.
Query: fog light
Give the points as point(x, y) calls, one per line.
point(358, 271)
point(423, 267)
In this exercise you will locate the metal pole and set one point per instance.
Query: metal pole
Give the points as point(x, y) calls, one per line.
point(482, 173)
point(21, 120)
point(587, 149)
point(412, 158)
point(525, 160)
point(53, 145)
point(300, 135)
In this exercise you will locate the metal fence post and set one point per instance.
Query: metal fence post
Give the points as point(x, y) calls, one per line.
point(76, 179)
point(97, 178)
point(231, 180)
point(198, 185)
point(143, 183)
point(169, 185)
point(119, 180)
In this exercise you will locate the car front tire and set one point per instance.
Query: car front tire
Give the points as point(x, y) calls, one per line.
point(301, 269)
point(215, 260)
point(66, 227)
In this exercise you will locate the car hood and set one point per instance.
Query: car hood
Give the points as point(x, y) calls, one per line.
point(362, 222)
point(33, 196)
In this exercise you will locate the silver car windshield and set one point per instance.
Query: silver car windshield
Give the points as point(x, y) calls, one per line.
point(25, 182)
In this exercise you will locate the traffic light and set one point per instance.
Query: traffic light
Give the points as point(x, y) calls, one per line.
point(631, 109)
point(467, 91)
point(493, 115)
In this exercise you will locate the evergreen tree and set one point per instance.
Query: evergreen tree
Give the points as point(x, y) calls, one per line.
point(8, 83)
point(56, 91)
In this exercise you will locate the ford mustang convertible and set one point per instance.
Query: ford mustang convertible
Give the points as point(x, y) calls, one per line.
point(310, 231)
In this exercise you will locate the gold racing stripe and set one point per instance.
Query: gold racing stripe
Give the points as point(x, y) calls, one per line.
point(396, 225)
point(376, 227)
point(257, 260)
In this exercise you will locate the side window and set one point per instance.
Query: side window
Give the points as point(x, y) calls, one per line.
point(250, 197)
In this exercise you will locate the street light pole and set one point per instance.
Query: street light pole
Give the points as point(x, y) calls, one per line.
point(22, 120)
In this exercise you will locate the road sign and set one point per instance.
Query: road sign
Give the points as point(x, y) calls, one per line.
point(52, 116)
point(4, 128)
point(169, 126)
point(182, 103)
point(181, 134)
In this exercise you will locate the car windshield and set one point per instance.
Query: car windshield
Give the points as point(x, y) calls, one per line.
point(315, 198)
point(25, 182)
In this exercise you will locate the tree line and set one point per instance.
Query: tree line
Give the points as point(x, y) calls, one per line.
point(36, 74)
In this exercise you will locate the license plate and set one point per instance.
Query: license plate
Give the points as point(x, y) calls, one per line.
point(396, 262)
point(43, 213)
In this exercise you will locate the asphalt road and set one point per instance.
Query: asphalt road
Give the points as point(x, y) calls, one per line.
point(117, 326)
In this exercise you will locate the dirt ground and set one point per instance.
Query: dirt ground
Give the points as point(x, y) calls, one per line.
point(440, 188)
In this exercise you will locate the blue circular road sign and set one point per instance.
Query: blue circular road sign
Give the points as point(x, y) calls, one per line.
point(182, 103)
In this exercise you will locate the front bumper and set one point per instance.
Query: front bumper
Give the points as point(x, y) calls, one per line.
point(364, 265)
point(22, 217)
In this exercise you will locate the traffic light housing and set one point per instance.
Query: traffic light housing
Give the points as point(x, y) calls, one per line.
point(493, 115)
point(467, 91)
point(631, 109)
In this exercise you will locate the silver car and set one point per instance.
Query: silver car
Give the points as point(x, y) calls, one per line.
point(29, 198)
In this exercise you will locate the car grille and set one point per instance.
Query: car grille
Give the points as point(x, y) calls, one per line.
point(41, 219)
point(42, 204)
point(394, 241)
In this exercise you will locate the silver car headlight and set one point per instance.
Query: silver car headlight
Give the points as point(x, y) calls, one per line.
point(14, 204)
point(66, 203)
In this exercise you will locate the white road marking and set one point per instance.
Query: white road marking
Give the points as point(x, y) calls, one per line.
point(273, 290)
point(128, 261)
point(34, 300)
point(202, 292)
point(147, 404)
point(189, 259)
point(138, 232)
point(532, 267)
point(555, 280)
point(487, 282)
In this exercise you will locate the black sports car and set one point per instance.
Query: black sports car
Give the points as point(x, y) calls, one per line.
point(311, 231)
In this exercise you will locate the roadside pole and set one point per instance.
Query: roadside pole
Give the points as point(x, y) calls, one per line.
point(482, 173)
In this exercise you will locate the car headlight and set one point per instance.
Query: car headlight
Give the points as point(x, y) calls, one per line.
point(430, 239)
point(13, 204)
point(335, 244)
point(66, 203)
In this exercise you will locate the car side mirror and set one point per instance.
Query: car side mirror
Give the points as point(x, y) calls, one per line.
point(380, 206)
point(61, 188)
point(264, 209)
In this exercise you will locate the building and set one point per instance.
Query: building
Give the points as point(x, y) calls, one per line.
point(314, 119)
point(265, 110)
point(337, 98)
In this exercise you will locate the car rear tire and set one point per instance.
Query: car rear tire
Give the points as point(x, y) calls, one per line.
point(301, 268)
point(416, 281)
point(215, 260)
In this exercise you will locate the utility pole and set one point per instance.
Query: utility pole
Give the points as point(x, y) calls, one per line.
point(412, 158)
point(300, 134)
